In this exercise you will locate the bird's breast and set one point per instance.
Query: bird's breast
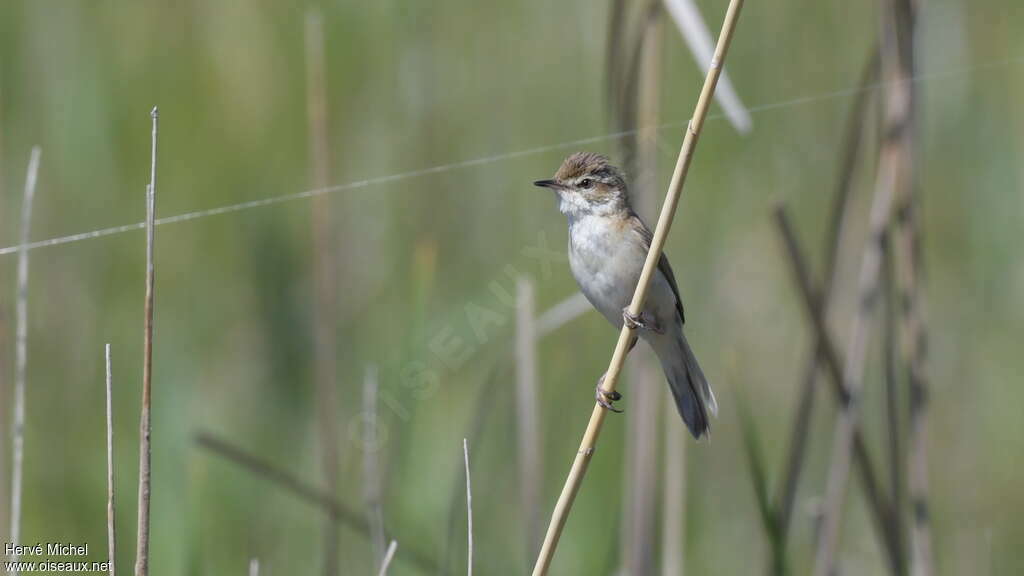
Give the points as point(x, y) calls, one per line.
point(606, 260)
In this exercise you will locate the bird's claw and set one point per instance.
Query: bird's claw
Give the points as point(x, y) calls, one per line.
point(605, 399)
point(640, 321)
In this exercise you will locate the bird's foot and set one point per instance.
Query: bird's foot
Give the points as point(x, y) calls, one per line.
point(640, 321)
point(605, 399)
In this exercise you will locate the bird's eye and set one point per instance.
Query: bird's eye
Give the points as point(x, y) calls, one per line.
point(586, 183)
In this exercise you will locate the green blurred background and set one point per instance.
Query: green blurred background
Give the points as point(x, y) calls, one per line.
point(412, 85)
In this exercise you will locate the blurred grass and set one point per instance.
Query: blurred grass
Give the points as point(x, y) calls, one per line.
point(413, 85)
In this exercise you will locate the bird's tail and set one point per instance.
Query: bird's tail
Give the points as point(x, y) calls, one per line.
point(690, 388)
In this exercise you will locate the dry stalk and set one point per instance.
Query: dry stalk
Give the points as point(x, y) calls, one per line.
point(111, 548)
point(913, 318)
point(145, 424)
point(469, 511)
point(389, 555)
point(586, 450)
point(893, 173)
point(21, 350)
point(254, 567)
point(527, 424)
point(324, 337)
point(640, 474)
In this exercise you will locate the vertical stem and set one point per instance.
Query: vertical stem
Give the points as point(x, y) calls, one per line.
point(640, 482)
point(372, 485)
point(526, 414)
point(254, 567)
point(587, 446)
point(21, 351)
point(324, 337)
point(145, 424)
point(893, 170)
point(892, 404)
point(389, 555)
point(469, 511)
point(111, 549)
point(673, 530)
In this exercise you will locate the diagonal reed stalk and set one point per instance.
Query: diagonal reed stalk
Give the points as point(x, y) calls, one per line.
point(21, 351)
point(586, 450)
point(145, 424)
point(111, 548)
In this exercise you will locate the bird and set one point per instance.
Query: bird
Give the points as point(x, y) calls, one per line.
point(608, 244)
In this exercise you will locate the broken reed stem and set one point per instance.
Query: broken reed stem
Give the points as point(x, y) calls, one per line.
point(389, 555)
point(372, 484)
point(145, 425)
point(324, 337)
point(111, 549)
point(527, 424)
point(640, 478)
point(21, 350)
point(586, 450)
point(877, 503)
point(305, 492)
point(469, 512)
point(853, 136)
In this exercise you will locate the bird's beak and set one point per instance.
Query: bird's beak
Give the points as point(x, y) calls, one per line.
point(553, 184)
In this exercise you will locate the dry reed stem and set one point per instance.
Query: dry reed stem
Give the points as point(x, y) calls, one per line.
point(640, 480)
point(145, 424)
point(372, 481)
point(254, 567)
point(21, 351)
point(586, 450)
point(697, 36)
point(854, 131)
point(324, 337)
point(305, 492)
point(877, 503)
point(469, 512)
point(913, 318)
point(389, 555)
point(111, 547)
point(527, 422)
point(853, 372)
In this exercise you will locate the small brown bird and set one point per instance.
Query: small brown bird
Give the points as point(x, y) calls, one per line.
point(608, 244)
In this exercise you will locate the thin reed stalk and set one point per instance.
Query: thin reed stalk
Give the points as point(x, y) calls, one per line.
point(145, 423)
point(305, 492)
point(469, 511)
point(640, 480)
point(111, 542)
point(893, 173)
point(527, 421)
point(587, 446)
point(254, 567)
point(913, 318)
point(893, 430)
point(21, 351)
point(389, 555)
point(324, 276)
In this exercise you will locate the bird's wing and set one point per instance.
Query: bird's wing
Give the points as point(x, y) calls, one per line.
point(663, 266)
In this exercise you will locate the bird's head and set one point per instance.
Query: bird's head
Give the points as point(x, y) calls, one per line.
point(587, 184)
